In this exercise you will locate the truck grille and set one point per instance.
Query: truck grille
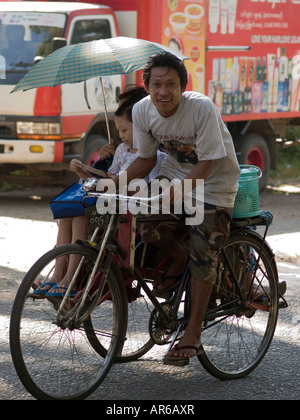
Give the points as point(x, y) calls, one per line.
point(7, 130)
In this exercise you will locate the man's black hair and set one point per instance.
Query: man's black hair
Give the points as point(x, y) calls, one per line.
point(169, 60)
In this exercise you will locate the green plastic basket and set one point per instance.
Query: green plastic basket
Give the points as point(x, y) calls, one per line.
point(247, 198)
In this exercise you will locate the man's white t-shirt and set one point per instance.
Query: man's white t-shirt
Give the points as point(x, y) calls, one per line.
point(194, 133)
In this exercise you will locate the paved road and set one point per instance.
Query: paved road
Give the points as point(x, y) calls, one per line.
point(22, 240)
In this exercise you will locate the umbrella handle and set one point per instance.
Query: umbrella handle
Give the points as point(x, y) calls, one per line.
point(85, 95)
point(105, 111)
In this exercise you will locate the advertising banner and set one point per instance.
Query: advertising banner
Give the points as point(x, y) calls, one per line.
point(253, 57)
point(183, 29)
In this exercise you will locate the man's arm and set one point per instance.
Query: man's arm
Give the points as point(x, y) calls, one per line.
point(200, 171)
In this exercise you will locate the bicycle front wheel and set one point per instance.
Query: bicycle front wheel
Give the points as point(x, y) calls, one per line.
point(55, 358)
point(242, 313)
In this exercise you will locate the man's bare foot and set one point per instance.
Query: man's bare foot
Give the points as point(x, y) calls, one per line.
point(186, 347)
point(182, 352)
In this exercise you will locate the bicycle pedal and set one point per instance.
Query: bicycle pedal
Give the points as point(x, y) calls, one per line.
point(35, 296)
point(181, 362)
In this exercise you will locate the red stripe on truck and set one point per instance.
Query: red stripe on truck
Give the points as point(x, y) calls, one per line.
point(48, 101)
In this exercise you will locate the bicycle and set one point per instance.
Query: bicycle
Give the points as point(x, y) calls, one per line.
point(237, 330)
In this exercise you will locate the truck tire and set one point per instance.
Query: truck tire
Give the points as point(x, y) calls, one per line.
point(92, 149)
point(252, 149)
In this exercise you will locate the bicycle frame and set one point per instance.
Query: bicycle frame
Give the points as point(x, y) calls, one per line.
point(119, 239)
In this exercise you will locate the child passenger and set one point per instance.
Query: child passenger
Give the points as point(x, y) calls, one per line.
point(71, 229)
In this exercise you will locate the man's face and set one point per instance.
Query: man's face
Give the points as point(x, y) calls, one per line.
point(165, 90)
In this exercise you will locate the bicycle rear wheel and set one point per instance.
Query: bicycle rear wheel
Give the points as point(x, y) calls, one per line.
point(239, 327)
point(138, 341)
point(55, 358)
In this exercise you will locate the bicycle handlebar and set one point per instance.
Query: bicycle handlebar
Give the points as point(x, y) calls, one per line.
point(154, 202)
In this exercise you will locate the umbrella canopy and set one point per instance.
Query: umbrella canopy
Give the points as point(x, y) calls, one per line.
point(83, 61)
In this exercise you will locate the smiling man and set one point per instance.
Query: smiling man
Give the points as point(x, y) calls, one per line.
point(165, 91)
point(188, 127)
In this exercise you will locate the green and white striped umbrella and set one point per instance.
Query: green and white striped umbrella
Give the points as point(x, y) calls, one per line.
point(83, 61)
point(80, 62)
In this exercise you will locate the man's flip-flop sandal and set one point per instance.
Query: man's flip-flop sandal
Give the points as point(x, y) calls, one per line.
point(181, 360)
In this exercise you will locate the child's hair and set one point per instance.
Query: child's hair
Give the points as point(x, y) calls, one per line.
point(127, 99)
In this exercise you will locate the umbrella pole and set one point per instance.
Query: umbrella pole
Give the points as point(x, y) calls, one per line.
point(105, 111)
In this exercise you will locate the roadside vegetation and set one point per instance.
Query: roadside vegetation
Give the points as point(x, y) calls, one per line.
point(11, 186)
point(287, 165)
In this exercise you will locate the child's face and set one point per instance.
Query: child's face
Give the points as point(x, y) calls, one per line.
point(125, 129)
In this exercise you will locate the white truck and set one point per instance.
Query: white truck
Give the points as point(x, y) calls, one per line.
point(42, 129)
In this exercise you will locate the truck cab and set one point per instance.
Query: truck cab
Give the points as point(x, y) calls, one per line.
point(43, 129)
